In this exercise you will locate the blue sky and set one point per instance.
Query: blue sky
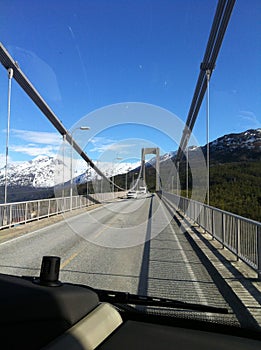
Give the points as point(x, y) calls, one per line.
point(85, 55)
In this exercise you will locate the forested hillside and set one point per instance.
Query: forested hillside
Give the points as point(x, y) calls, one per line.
point(236, 187)
point(235, 173)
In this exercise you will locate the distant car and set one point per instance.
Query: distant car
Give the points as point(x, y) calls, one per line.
point(132, 194)
point(143, 189)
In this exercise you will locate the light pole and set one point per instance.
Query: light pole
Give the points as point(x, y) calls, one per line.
point(177, 178)
point(64, 139)
point(87, 177)
point(208, 72)
point(10, 76)
point(187, 169)
point(71, 167)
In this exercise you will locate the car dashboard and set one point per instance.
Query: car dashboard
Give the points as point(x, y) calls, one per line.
point(41, 314)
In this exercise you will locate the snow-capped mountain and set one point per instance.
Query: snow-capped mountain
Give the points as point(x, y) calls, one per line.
point(232, 147)
point(236, 147)
point(38, 172)
point(163, 158)
point(250, 139)
point(228, 148)
point(109, 169)
point(44, 171)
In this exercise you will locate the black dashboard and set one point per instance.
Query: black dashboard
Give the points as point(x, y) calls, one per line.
point(46, 314)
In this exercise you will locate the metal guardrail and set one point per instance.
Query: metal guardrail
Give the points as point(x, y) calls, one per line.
point(12, 214)
point(240, 235)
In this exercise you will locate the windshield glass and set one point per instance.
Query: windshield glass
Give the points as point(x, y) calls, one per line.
point(131, 148)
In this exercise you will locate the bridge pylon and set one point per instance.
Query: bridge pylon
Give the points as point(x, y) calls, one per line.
point(151, 150)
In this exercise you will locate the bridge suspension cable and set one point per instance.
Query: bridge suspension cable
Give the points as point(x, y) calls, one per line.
point(218, 29)
point(9, 63)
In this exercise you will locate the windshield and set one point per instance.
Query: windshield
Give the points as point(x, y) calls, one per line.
point(130, 148)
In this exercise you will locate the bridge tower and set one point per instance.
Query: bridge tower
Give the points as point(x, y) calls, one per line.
point(153, 150)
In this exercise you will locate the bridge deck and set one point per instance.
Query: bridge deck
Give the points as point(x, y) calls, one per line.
point(185, 263)
point(180, 262)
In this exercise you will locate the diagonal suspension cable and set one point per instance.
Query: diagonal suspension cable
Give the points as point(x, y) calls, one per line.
point(218, 29)
point(9, 63)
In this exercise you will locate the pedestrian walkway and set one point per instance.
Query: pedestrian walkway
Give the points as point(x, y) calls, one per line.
point(213, 265)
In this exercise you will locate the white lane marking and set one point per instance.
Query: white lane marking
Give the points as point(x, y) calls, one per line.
point(189, 268)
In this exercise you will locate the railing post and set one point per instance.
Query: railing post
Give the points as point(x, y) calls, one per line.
point(259, 252)
point(1, 217)
point(212, 223)
point(38, 210)
point(204, 218)
point(55, 203)
point(26, 212)
point(10, 215)
point(238, 238)
point(223, 230)
point(49, 203)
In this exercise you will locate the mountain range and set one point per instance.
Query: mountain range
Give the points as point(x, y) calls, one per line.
point(42, 172)
point(228, 148)
point(244, 146)
point(39, 173)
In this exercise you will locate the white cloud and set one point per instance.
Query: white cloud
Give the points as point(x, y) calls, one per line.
point(34, 150)
point(39, 137)
point(125, 150)
point(34, 143)
point(101, 144)
point(120, 147)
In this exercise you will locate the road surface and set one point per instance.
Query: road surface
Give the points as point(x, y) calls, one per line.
point(131, 245)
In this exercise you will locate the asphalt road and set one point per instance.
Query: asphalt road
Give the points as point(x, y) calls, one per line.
point(129, 245)
point(98, 248)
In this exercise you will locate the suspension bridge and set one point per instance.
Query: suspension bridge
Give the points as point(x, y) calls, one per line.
point(175, 245)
